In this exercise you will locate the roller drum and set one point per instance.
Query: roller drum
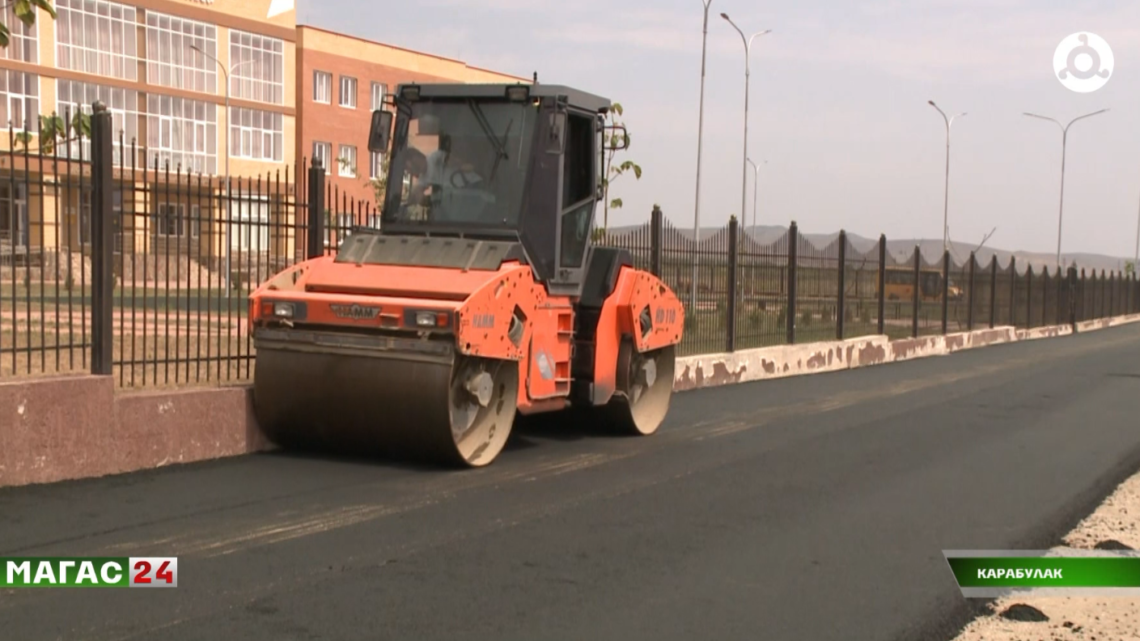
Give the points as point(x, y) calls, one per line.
point(322, 394)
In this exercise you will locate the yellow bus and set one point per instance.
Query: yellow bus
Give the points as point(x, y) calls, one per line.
point(900, 284)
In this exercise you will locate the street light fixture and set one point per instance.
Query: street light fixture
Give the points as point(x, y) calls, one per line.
point(747, 73)
point(229, 194)
point(700, 136)
point(1064, 144)
point(946, 189)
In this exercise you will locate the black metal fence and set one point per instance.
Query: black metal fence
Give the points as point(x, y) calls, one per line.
point(122, 260)
point(755, 292)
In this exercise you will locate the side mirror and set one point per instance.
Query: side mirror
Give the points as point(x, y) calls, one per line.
point(617, 142)
point(380, 132)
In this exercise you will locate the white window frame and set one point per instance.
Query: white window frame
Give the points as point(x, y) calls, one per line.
point(322, 80)
point(245, 131)
point(258, 64)
point(29, 101)
point(252, 213)
point(164, 129)
point(379, 92)
point(346, 166)
point(186, 227)
point(324, 154)
point(23, 41)
point(351, 84)
point(16, 214)
point(375, 163)
point(170, 60)
point(125, 116)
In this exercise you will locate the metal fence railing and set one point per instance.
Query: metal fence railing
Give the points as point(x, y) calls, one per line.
point(114, 260)
point(792, 290)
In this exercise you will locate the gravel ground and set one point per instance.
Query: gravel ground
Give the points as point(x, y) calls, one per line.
point(1116, 521)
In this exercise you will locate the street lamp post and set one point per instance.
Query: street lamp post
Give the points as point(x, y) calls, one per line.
point(747, 73)
point(229, 194)
point(946, 189)
point(1136, 256)
point(1064, 145)
point(700, 136)
point(755, 182)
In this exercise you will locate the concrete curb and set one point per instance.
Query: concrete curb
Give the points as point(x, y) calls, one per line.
point(779, 361)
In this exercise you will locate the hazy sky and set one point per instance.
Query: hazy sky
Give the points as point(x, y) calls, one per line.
point(838, 105)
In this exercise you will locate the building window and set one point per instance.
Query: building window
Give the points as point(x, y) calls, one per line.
point(73, 96)
point(96, 37)
point(19, 99)
point(183, 133)
point(348, 92)
point(256, 134)
point(23, 41)
point(170, 60)
point(322, 151)
point(172, 222)
point(379, 90)
point(376, 165)
point(14, 214)
point(251, 233)
point(322, 87)
point(258, 64)
point(347, 161)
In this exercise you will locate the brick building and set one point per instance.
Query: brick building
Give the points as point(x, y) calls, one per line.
point(340, 80)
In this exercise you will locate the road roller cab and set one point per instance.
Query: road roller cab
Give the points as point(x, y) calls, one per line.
point(479, 297)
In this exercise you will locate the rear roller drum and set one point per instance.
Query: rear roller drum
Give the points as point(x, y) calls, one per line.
point(644, 389)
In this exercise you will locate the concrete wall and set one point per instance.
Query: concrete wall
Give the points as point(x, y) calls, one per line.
point(77, 427)
point(56, 429)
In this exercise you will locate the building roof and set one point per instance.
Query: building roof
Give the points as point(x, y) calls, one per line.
point(411, 51)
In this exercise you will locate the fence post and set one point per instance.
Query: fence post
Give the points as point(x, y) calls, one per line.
point(1112, 293)
point(730, 321)
point(915, 300)
point(882, 283)
point(842, 300)
point(945, 291)
point(316, 236)
point(793, 259)
point(993, 291)
point(1073, 298)
point(970, 296)
point(102, 241)
point(1029, 298)
point(656, 229)
point(1013, 291)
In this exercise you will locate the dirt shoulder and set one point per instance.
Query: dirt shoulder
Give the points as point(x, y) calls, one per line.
point(1115, 522)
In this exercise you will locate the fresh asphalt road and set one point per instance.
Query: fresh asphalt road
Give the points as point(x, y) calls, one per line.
point(804, 508)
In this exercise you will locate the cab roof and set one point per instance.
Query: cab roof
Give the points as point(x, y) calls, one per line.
point(575, 97)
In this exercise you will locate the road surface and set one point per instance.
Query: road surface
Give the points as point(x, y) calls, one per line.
point(804, 508)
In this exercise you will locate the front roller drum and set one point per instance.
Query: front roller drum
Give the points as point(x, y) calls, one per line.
point(643, 391)
point(455, 412)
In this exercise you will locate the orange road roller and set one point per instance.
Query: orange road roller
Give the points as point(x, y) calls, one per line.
point(479, 297)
